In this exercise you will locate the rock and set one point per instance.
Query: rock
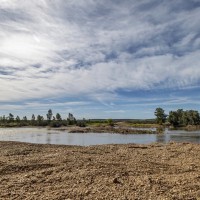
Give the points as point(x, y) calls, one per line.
point(115, 180)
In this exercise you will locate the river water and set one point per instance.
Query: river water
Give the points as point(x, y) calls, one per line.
point(45, 136)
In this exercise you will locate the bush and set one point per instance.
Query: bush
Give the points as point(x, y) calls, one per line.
point(110, 122)
point(81, 123)
point(55, 124)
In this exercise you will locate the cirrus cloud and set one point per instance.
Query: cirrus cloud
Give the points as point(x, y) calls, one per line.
point(95, 49)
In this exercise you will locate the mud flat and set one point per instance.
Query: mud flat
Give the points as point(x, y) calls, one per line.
point(106, 129)
point(157, 171)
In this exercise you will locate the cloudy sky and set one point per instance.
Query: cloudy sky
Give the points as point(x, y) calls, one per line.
point(99, 58)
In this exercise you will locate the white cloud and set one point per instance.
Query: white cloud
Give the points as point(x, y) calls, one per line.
point(115, 111)
point(90, 48)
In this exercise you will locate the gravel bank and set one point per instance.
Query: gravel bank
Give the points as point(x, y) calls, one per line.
point(158, 171)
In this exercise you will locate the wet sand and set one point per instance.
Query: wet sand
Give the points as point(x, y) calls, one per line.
point(157, 171)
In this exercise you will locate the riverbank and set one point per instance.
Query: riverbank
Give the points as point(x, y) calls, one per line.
point(157, 171)
point(187, 128)
point(118, 128)
point(109, 129)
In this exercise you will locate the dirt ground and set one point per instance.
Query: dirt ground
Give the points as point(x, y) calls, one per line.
point(157, 171)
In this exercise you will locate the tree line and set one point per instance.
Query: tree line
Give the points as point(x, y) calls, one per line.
point(179, 117)
point(176, 118)
point(39, 120)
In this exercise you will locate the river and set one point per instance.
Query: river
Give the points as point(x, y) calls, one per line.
point(45, 136)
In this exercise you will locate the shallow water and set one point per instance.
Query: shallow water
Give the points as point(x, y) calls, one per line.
point(45, 136)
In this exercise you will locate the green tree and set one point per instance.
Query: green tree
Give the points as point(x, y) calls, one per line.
point(58, 117)
point(4, 119)
point(196, 117)
point(49, 115)
point(33, 117)
point(33, 120)
point(193, 117)
point(40, 120)
point(160, 115)
point(11, 117)
point(180, 113)
point(71, 119)
point(184, 118)
point(25, 119)
point(17, 119)
point(173, 118)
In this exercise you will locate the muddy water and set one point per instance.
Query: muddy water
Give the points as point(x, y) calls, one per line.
point(44, 136)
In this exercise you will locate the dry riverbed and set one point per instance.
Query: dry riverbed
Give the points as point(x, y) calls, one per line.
point(157, 171)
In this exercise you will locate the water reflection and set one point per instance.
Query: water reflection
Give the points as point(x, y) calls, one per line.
point(44, 136)
point(162, 138)
point(179, 136)
point(48, 138)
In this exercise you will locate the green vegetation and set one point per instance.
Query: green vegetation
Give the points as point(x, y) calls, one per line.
point(53, 121)
point(184, 118)
point(49, 115)
point(96, 123)
point(178, 118)
point(143, 123)
point(110, 122)
point(160, 116)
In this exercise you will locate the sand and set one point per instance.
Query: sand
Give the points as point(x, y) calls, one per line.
point(157, 171)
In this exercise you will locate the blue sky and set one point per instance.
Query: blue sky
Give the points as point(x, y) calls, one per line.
point(99, 59)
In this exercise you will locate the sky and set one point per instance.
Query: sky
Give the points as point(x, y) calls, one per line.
point(99, 58)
